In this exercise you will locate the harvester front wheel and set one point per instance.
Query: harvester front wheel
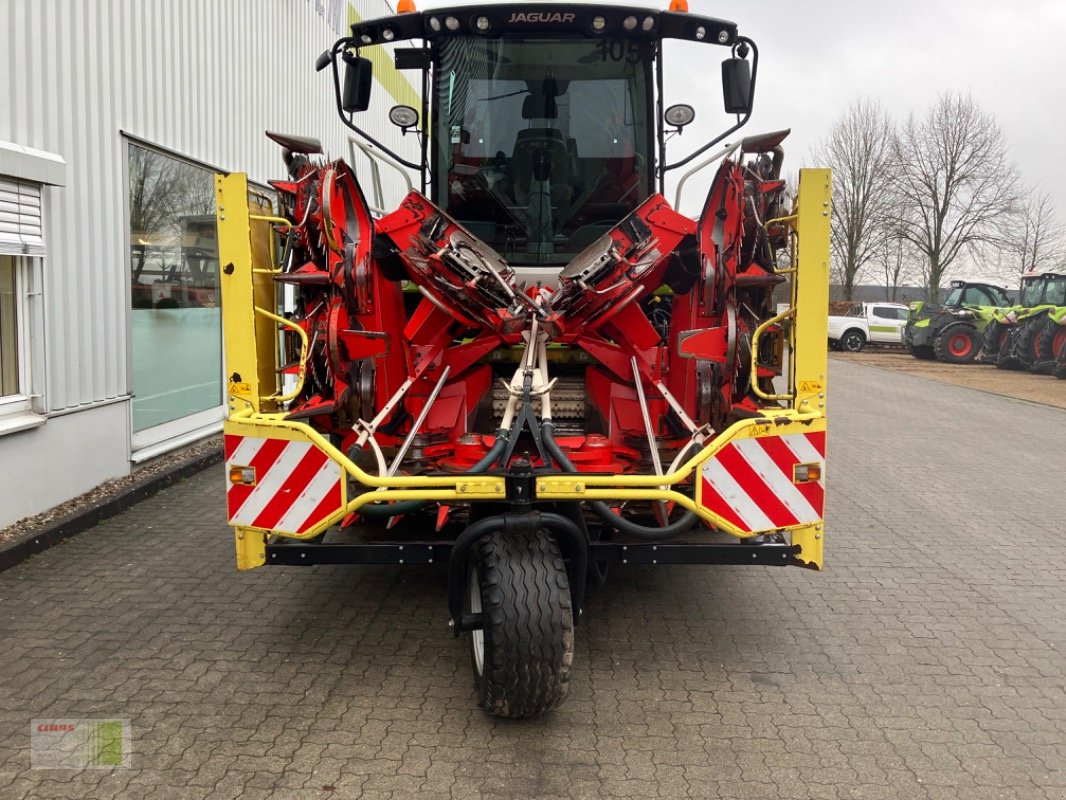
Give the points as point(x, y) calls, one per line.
point(523, 652)
point(957, 344)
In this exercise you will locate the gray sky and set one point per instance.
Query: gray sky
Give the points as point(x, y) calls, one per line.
point(817, 57)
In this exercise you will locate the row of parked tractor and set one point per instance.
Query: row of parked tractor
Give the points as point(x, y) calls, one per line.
point(975, 324)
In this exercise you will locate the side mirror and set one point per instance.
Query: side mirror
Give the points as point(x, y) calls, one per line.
point(403, 117)
point(679, 115)
point(358, 79)
point(736, 85)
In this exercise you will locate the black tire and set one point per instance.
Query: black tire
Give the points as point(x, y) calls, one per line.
point(1006, 359)
point(996, 335)
point(957, 344)
point(852, 341)
point(1027, 340)
point(1050, 345)
point(1059, 370)
point(522, 656)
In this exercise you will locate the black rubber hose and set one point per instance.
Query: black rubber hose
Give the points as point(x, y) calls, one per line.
point(604, 512)
point(411, 506)
point(457, 562)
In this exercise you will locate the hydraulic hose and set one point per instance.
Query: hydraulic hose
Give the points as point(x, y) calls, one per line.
point(410, 506)
point(604, 512)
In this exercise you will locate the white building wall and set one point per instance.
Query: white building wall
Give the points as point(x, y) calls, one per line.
point(201, 78)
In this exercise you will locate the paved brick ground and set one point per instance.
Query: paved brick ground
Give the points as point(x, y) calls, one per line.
point(925, 662)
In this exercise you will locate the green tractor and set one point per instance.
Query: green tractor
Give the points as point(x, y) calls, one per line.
point(952, 331)
point(1031, 335)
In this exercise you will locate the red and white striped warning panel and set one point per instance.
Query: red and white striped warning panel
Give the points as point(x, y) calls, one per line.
point(762, 484)
point(286, 486)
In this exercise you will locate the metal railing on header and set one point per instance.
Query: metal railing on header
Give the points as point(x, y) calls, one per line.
point(377, 157)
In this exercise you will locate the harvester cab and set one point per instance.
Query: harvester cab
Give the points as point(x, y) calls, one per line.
point(535, 366)
point(952, 331)
point(545, 124)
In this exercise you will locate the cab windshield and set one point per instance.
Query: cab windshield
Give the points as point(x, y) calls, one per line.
point(540, 147)
point(977, 296)
point(1049, 290)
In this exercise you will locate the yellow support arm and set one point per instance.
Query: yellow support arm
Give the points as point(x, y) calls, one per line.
point(245, 253)
point(810, 291)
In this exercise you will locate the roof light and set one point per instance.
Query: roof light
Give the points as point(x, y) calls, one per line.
point(482, 23)
point(648, 24)
point(403, 116)
point(388, 34)
point(679, 5)
point(451, 23)
point(599, 23)
point(679, 115)
point(723, 37)
point(406, 7)
point(365, 38)
point(701, 33)
point(630, 23)
point(434, 23)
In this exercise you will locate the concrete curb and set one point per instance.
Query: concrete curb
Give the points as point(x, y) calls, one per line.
point(40, 539)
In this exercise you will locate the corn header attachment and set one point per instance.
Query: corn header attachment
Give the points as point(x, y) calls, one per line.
point(535, 366)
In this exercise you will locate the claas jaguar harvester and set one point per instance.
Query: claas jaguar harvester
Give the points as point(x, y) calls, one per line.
point(535, 366)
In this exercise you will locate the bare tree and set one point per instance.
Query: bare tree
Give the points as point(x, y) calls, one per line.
point(955, 182)
point(859, 150)
point(894, 258)
point(1036, 240)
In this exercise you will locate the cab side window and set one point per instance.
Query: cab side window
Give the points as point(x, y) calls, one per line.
point(885, 312)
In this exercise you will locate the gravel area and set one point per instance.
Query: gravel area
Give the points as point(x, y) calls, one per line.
point(1020, 385)
point(141, 473)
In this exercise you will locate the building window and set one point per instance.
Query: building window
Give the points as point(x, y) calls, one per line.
point(21, 343)
point(9, 329)
point(177, 325)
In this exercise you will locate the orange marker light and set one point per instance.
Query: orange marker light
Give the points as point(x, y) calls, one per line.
point(242, 475)
point(406, 7)
point(806, 473)
point(679, 5)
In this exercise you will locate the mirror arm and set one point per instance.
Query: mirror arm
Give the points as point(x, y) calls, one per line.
point(659, 106)
point(740, 122)
point(338, 46)
point(426, 172)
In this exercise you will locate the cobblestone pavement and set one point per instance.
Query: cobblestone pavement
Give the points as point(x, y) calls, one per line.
point(925, 662)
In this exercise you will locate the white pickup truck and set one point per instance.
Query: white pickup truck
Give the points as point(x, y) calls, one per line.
point(880, 323)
